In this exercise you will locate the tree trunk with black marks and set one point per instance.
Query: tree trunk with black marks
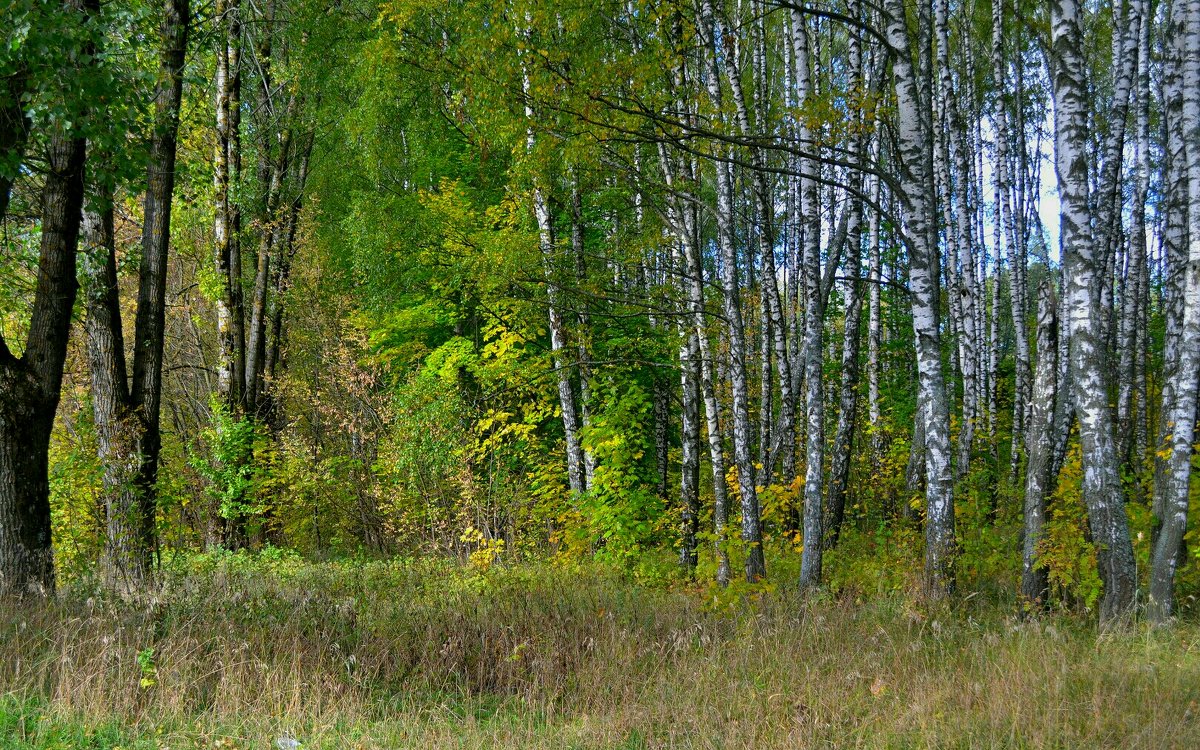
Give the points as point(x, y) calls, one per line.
point(918, 200)
point(1039, 482)
point(1084, 266)
point(1172, 494)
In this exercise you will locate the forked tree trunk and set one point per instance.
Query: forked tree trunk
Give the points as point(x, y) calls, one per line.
point(127, 418)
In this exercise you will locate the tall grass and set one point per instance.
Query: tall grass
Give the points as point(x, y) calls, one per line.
point(423, 654)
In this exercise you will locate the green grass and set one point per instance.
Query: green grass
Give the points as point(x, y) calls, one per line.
point(422, 654)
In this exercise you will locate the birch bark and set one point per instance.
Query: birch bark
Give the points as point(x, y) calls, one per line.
point(1084, 264)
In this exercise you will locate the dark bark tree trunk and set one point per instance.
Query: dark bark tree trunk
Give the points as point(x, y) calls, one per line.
point(30, 385)
point(127, 418)
point(843, 440)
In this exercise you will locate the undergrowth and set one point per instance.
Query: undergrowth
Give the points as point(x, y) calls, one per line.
point(240, 651)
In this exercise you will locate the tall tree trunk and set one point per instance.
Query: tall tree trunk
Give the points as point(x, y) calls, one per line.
point(585, 363)
point(918, 198)
point(731, 293)
point(839, 475)
point(814, 318)
point(273, 225)
point(282, 272)
point(1084, 264)
point(29, 386)
point(1013, 236)
point(227, 263)
point(1131, 402)
point(127, 418)
point(558, 332)
point(874, 316)
point(686, 223)
point(1038, 480)
point(773, 323)
point(963, 241)
point(1172, 500)
point(124, 565)
point(689, 438)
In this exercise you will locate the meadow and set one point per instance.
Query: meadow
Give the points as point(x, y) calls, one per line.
point(240, 651)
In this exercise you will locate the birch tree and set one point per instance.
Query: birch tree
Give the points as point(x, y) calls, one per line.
point(1083, 264)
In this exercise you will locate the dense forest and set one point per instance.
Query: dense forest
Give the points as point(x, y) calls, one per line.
point(841, 296)
point(627, 373)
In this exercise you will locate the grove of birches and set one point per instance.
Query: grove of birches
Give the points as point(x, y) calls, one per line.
point(820, 295)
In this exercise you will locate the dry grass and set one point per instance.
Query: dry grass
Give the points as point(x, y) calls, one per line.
point(426, 655)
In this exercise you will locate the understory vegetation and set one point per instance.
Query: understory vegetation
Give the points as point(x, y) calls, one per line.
point(238, 651)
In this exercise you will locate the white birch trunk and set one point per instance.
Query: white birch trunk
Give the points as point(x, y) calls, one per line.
point(914, 160)
point(1172, 499)
point(1084, 264)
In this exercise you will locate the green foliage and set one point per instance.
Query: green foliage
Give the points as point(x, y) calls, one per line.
point(231, 465)
point(77, 513)
point(1065, 552)
point(882, 562)
point(621, 506)
point(145, 661)
point(989, 524)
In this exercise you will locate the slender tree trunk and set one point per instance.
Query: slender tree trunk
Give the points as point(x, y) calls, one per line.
point(273, 226)
point(1039, 482)
point(874, 317)
point(282, 273)
point(227, 380)
point(231, 334)
point(1174, 241)
point(773, 323)
point(1013, 236)
point(585, 364)
point(811, 560)
point(843, 440)
point(914, 470)
point(689, 470)
point(964, 290)
point(1131, 403)
point(730, 286)
point(1172, 500)
point(125, 563)
point(558, 332)
point(839, 475)
point(918, 198)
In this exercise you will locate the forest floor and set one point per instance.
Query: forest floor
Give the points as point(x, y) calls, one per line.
point(244, 653)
